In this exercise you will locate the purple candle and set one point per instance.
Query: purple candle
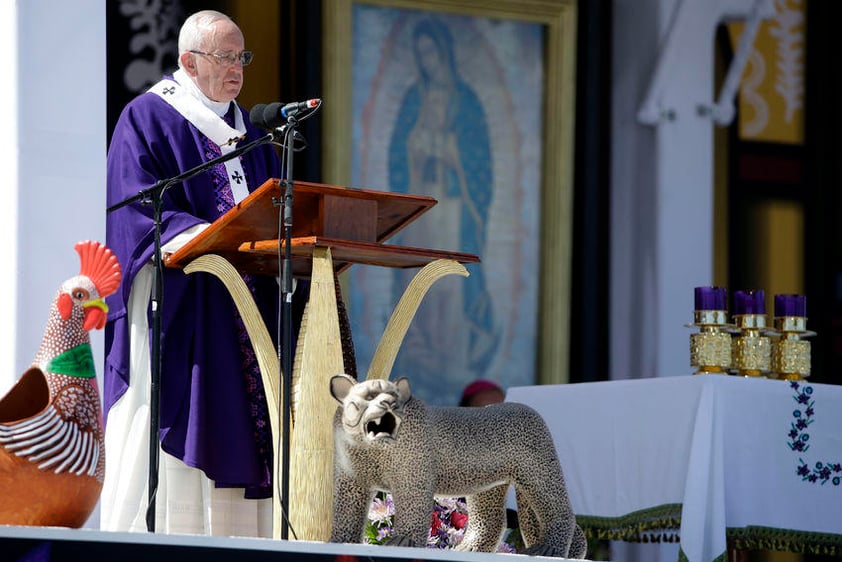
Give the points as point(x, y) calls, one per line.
point(749, 302)
point(711, 298)
point(791, 305)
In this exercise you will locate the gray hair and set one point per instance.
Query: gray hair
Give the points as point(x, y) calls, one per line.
point(194, 29)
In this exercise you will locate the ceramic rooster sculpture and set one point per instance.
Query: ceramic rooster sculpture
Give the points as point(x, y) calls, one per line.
point(51, 434)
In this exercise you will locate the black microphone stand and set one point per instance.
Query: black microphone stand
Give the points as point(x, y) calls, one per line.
point(285, 341)
point(286, 317)
point(154, 195)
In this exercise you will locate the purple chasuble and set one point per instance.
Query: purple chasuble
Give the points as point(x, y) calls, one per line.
point(208, 415)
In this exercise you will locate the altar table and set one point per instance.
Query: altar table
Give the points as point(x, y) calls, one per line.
point(704, 459)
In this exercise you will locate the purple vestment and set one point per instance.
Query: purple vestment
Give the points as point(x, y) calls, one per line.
point(205, 417)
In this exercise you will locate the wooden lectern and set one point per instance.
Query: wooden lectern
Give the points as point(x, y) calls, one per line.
point(333, 228)
point(353, 223)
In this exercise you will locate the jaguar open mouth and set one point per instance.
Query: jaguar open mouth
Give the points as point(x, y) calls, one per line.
point(384, 427)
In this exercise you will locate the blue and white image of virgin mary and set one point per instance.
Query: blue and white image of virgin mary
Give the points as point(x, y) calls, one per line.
point(436, 80)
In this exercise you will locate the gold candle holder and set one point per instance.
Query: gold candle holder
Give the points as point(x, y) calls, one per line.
point(710, 348)
point(751, 351)
point(791, 352)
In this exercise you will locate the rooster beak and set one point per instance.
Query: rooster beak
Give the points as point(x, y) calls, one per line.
point(96, 313)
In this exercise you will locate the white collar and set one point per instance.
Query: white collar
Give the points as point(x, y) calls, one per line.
point(218, 107)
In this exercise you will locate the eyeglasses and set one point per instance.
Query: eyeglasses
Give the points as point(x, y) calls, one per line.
point(244, 57)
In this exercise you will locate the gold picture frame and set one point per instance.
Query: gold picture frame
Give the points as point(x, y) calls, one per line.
point(559, 20)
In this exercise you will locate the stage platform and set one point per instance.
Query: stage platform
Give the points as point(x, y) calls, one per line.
point(54, 544)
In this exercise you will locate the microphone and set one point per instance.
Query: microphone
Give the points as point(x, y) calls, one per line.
point(256, 116)
point(273, 115)
point(294, 108)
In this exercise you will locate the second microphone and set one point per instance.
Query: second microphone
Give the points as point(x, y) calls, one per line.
point(273, 115)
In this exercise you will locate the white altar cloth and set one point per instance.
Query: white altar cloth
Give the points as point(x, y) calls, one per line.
point(717, 457)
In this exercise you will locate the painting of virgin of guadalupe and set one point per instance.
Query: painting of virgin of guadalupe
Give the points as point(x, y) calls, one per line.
point(442, 118)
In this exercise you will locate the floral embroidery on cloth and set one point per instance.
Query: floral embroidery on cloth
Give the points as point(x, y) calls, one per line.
point(799, 439)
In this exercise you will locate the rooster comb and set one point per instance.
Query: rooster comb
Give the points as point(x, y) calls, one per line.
point(100, 265)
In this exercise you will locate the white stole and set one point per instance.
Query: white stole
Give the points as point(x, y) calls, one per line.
point(209, 124)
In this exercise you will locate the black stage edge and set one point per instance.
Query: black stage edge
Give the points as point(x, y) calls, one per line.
point(56, 544)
